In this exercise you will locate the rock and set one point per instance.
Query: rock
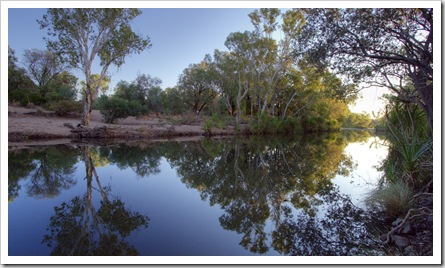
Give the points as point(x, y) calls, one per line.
point(406, 229)
point(69, 125)
point(401, 241)
point(409, 251)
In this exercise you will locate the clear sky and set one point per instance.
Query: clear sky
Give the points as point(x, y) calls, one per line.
point(179, 37)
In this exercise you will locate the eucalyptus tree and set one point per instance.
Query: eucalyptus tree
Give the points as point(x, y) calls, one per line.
point(386, 47)
point(280, 58)
point(197, 85)
point(80, 35)
point(102, 86)
point(144, 89)
point(226, 79)
point(246, 59)
point(171, 101)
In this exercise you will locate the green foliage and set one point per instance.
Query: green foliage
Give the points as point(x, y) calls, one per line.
point(265, 124)
point(197, 87)
point(320, 124)
point(98, 85)
point(18, 80)
point(395, 198)
point(144, 89)
point(106, 34)
point(62, 93)
point(24, 97)
point(355, 120)
point(375, 44)
point(216, 121)
point(410, 157)
point(113, 108)
point(172, 102)
point(208, 125)
point(64, 107)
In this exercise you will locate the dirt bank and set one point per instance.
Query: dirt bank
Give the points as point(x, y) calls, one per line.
point(38, 126)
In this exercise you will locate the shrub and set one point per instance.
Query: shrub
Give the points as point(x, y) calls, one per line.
point(207, 126)
point(290, 125)
point(395, 198)
point(25, 97)
point(63, 107)
point(411, 149)
point(189, 118)
point(113, 108)
point(265, 124)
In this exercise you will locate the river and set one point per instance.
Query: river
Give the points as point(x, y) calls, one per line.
point(213, 197)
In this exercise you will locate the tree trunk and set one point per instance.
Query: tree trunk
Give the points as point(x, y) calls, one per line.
point(87, 107)
point(427, 97)
point(425, 90)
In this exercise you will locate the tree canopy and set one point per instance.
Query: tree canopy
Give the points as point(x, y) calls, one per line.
point(81, 35)
point(385, 47)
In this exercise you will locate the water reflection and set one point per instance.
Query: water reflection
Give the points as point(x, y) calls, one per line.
point(50, 171)
point(276, 193)
point(257, 180)
point(77, 228)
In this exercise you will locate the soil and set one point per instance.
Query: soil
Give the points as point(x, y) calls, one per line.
point(34, 125)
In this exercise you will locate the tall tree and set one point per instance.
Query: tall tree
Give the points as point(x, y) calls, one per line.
point(145, 89)
point(82, 34)
point(197, 85)
point(43, 66)
point(387, 47)
point(102, 87)
point(17, 77)
point(226, 79)
point(246, 59)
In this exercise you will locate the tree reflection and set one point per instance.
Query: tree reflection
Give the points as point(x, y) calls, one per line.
point(256, 180)
point(143, 160)
point(77, 228)
point(341, 231)
point(275, 192)
point(49, 170)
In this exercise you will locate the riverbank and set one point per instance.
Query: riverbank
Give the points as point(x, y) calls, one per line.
point(36, 125)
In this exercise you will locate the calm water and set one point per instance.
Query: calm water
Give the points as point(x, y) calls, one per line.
point(268, 196)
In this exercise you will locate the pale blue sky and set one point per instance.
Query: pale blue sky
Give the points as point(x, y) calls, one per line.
point(179, 37)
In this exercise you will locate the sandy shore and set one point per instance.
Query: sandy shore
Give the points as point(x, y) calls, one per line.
point(37, 126)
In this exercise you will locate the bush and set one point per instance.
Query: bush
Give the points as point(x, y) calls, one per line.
point(25, 97)
point(395, 198)
point(113, 108)
point(189, 118)
point(290, 125)
point(265, 124)
point(410, 154)
point(60, 93)
point(207, 126)
point(63, 107)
